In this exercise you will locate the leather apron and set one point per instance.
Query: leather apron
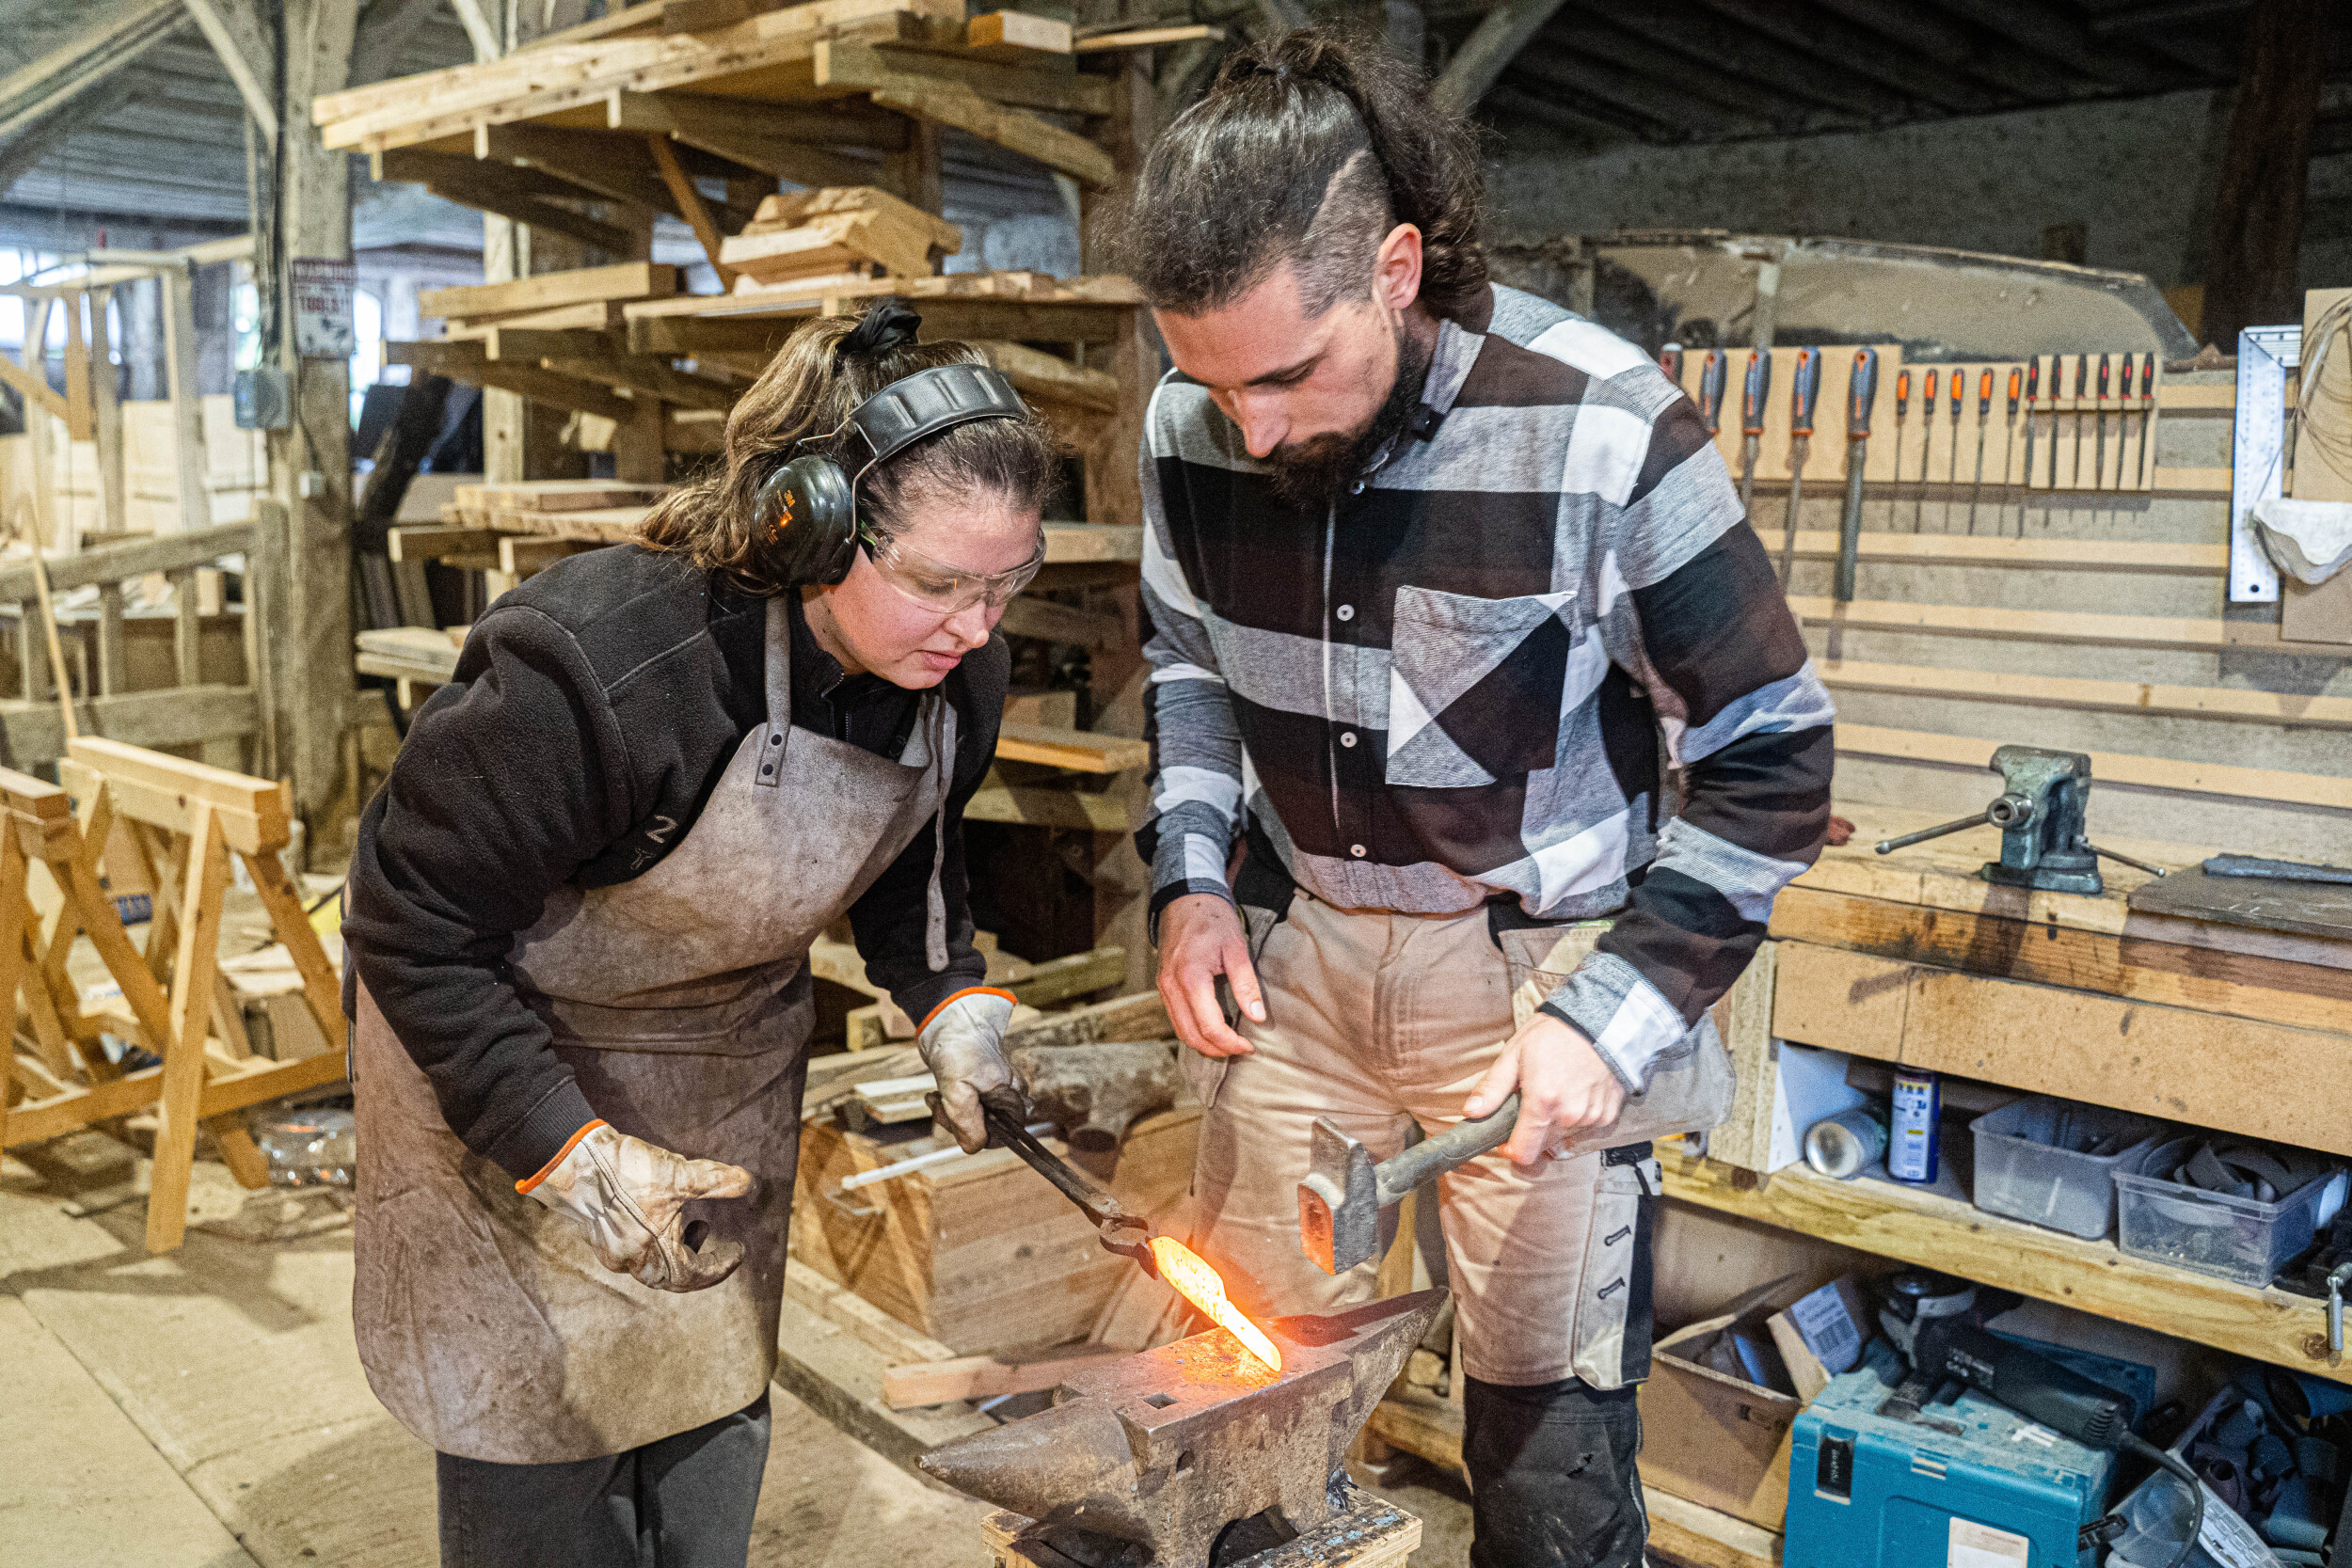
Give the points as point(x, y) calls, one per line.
point(682, 1001)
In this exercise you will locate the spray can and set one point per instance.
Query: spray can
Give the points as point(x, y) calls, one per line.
point(1910, 1153)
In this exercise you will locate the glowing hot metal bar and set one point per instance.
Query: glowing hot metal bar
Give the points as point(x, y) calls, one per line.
point(1190, 1276)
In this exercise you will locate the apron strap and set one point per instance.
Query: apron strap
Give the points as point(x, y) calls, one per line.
point(935, 896)
point(779, 694)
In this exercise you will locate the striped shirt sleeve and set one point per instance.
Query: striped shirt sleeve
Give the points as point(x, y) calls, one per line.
point(1709, 635)
point(1193, 815)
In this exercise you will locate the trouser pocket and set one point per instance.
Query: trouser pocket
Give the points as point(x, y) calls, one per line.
point(1610, 1340)
point(1206, 1074)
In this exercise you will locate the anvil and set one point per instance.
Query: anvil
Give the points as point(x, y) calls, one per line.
point(1169, 1448)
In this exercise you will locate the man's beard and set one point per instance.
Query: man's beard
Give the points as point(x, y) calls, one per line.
point(1310, 474)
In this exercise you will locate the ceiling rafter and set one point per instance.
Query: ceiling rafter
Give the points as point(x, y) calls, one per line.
point(1693, 30)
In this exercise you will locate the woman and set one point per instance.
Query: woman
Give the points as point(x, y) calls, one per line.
point(580, 910)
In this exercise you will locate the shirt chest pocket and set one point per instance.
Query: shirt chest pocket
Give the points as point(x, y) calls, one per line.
point(1477, 686)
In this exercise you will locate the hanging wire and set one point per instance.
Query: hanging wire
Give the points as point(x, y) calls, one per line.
point(2331, 439)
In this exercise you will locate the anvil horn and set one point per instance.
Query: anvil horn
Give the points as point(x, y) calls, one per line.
point(1169, 1448)
point(1036, 1465)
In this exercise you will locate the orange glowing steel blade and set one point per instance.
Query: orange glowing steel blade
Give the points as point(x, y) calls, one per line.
point(1191, 1278)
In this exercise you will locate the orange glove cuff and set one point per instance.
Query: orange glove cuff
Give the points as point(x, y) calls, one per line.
point(561, 1155)
point(968, 991)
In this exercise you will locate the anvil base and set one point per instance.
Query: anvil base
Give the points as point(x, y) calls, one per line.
point(1365, 1533)
point(1167, 1457)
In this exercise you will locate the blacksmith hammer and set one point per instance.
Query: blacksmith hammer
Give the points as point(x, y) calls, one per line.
point(1341, 1200)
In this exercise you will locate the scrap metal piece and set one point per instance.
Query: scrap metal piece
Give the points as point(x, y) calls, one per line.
point(1169, 1448)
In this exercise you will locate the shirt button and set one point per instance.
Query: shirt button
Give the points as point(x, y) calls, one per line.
point(1357, 488)
point(1356, 850)
point(1345, 612)
point(1347, 738)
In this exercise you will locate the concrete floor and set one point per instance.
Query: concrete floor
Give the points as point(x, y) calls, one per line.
point(206, 1409)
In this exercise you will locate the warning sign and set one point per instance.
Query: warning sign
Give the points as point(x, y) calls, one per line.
point(322, 309)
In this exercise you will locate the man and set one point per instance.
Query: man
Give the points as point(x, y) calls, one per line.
point(1433, 567)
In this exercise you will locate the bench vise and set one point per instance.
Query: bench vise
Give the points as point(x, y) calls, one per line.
point(2041, 810)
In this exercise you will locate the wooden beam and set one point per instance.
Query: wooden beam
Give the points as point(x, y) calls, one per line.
point(2254, 244)
point(36, 141)
point(691, 207)
point(1149, 38)
point(625, 280)
point(2242, 704)
point(847, 66)
point(176, 716)
point(110, 38)
point(135, 1091)
point(1840, 45)
point(770, 137)
point(657, 378)
point(1049, 622)
point(1016, 36)
point(1986, 56)
point(1493, 45)
point(384, 33)
point(540, 385)
point(102, 563)
point(234, 30)
point(32, 384)
point(598, 163)
point(961, 109)
point(1668, 106)
point(1685, 25)
point(1044, 806)
point(2039, 555)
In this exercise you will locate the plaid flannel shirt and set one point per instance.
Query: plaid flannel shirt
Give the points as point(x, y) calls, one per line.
point(1452, 685)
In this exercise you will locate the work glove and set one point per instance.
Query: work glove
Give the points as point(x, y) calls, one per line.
point(632, 1196)
point(962, 1042)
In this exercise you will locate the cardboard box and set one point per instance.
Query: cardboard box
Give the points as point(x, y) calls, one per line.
point(1719, 1441)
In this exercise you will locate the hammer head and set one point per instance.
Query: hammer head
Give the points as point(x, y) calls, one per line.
point(1339, 1202)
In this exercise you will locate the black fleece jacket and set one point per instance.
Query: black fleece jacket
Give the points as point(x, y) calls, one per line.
point(592, 710)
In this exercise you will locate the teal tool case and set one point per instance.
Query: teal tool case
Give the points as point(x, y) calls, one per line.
point(1968, 1482)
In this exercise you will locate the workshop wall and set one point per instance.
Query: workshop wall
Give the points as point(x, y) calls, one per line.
point(2138, 176)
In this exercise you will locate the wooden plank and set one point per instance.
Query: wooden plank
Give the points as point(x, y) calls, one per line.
point(559, 495)
point(853, 66)
point(2065, 691)
point(730, 123)
point(1963, 549)
point(1050, 377)
point(322, 987)
point(1059, 979)
point(768, 56)
point(1919, 1228)
point(2179, 1063)
point(624, 281)
point(2040, 626)
point(121, 562)
point(465, 362)
point(176, 1103)
point(2193, 778)
point(1044, 807)
point(976, 1377)
point(522, 555)
point(1149, 38)
point(134, 1092)
point(1079, 750)
point(169, 792)
point(961, 109)
point(1068, 543)
point(2240, 985)
point(1016, 35)
point(691, 207)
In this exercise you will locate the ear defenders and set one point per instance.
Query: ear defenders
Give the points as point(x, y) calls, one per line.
point(804, 516)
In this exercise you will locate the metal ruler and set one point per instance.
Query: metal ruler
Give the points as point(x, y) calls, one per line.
point(2256, 452)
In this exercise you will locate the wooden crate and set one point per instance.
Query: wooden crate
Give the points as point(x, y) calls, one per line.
point(980, 1254)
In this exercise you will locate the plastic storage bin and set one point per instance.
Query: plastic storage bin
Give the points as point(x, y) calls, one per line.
point(2239, 1239)
point(2040, 1160)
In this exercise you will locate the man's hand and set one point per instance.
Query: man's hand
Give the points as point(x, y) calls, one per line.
point(1564, 1085)
point(1201, 937)
point(630, 1195)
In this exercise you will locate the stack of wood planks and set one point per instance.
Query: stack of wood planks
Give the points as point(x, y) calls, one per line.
point(810, 242)
point(584, 298)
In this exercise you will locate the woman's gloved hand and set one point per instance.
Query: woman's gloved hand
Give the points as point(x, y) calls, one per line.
point(632, 1196)
point(962, 1042)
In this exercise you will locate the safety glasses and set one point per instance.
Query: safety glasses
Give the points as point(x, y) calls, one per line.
point(947, 589)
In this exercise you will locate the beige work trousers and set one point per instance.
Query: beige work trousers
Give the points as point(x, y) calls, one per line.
point(1376, 1020)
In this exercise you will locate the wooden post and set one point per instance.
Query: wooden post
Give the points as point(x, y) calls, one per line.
point(914, 175)
point(189, 457)
point(192, 973)
point(310, 461)
point(106, 415)
point(2256, 241)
